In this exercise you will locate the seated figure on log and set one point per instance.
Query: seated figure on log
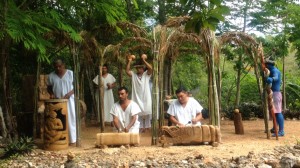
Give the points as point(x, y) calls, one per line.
point(185, 110)
point(53, 128)
point(125, 113)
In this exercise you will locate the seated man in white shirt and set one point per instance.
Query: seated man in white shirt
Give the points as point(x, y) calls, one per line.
point(185, 110)
point(125, 113)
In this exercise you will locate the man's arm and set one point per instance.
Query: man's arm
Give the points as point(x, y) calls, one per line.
point(111, 85)
point(197, 118)
point(133, 119)
point(149, 67)
point(68, 95)
point(50, 91)
point(116, 123)
point(128, 71)
point(174, 121)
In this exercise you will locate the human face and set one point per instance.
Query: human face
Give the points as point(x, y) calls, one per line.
point(59, 67)
point(123, 95)
point(140, 70)
point(104, 70)
point(182, 97)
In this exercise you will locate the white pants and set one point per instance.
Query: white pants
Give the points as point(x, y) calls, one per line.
point(145, 121)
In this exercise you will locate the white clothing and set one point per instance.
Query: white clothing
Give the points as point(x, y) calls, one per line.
point(141, 93)
point(108, 99)
point(60, 87)
point(184, 115)
point(125, 116)
point(145, 121)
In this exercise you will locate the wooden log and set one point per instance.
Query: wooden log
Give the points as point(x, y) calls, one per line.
point(117, 139)
point(206, 135)
point(238, 124)
point(190, 135)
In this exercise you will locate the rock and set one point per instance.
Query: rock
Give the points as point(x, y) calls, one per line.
point(272, 162)
point(288, 161)
point(264, 166)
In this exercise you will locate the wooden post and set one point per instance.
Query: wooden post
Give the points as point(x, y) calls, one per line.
point(238, 124)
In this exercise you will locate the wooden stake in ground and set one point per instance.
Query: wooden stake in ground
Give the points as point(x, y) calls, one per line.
point(238, 124)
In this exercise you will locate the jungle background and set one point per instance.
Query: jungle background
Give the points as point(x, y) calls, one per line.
point(32, 33)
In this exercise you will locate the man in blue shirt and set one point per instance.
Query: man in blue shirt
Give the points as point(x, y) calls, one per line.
point(275, 80)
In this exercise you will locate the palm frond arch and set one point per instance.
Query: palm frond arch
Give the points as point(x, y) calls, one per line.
point(254, 50)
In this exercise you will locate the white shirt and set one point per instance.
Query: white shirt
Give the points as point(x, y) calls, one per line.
point(141, 93)
point(125, 116)
point(184, 115)
point(108, 99)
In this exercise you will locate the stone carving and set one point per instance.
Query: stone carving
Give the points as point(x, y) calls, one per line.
point(55, 126)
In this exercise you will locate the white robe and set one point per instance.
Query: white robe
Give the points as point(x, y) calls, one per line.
point(60, 87)
point(141, 93)
point(184, 115)
point(125, 116)
point(108, 96)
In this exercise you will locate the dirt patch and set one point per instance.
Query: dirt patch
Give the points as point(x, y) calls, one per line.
point(252, 148)
point(254, 140)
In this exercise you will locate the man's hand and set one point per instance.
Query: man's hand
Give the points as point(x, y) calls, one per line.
point(68, 95)
point(269, 80)
point(180, 125)
point(144, 56)
point(126, 130)
point(109, 86)
point(194, 121)
point(52, 96)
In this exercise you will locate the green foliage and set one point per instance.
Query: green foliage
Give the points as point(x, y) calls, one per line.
point(208, 16)
point(189, 72)
point(17, 147)
point(248, 111)
point(30, 27)
point(293, 97)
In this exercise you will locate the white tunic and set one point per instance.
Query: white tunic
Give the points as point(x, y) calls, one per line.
point(125, 116)
point(141, 93)
point(60, 87)
point(108, 96)
point(184, 115)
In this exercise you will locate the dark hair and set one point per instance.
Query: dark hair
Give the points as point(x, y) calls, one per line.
point(123, 88)
point(270, 61)
point(105, 65)
point(181, 89)
point(57, 59)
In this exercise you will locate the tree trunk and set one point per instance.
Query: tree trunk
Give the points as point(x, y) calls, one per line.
point(155, 91)
point(213, 92)
point(283, 84)
point(238, 83)
point(219, 85)
point(161, 11)
point(129, 7)
point(36, 99)
point(76, 80)
point(6, 95)
point(101, 102)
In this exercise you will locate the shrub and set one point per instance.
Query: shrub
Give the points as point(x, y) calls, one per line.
point(17, 147)
point(248, 110)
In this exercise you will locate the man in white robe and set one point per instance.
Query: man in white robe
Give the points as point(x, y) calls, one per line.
point(141, 93)
point(109, 83)
point(60, 86)
point(185, 110)
point(125, 113)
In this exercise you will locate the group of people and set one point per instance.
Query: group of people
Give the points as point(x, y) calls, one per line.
point(135, 115)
